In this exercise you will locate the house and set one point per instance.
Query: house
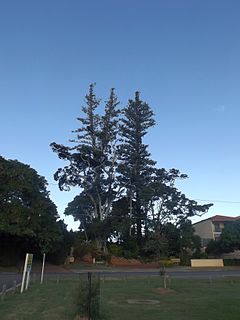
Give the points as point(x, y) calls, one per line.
point(211, 228)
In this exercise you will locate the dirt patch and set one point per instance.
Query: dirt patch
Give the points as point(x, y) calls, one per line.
point(142, 301)
point(134, 263)
point(164, 291)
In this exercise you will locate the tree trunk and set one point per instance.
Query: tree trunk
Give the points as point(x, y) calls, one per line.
point(139, 220)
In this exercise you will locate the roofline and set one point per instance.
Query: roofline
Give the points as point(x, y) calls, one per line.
point(202, 221)
point(210, 218)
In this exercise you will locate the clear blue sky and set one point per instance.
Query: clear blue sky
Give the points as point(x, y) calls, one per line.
point(183, 55)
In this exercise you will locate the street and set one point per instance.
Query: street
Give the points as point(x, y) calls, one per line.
point(9, 278)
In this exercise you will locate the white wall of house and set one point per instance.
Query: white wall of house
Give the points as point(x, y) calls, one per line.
point(204, 230)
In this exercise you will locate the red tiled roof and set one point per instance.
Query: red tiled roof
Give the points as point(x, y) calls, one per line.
point(224, 218)
point(219, 218)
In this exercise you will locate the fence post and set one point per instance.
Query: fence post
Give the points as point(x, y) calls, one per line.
point(89, 294)
point(43, 267)
point(99, 293)
point(14, 286)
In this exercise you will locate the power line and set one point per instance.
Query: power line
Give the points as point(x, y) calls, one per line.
point(204, 200)
point(221, 201)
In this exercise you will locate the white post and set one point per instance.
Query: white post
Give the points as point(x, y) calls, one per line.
point(43, 266)
point(27, 281)
point(24, 273)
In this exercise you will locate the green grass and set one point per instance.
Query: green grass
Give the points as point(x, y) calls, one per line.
point(52, 301)
point(191, 300)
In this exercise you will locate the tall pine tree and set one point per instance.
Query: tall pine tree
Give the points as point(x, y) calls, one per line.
point(93, 158)
point(136, 167)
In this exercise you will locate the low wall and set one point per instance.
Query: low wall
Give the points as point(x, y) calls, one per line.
point(207, 263)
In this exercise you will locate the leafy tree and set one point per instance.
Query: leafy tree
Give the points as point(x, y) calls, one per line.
point(173, 241)
point(172, 233)
point(123, 197)
point(230, 237)
point(28, 217)
point(167, 204)
point(229, 240)
point(189, 242)
point(82, 210)
point(136, 166)
point(156, 246)
point(214, 248)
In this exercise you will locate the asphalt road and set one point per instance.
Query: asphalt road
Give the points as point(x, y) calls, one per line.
point(172, 273)
point(9, 278)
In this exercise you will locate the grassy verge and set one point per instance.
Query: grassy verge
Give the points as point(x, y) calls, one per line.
point(216, 299)
point(52, 301)
point(190, 299)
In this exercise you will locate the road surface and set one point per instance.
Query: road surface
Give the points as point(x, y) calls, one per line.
point(9, 278)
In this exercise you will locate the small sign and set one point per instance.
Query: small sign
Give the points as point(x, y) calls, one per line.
point(29, 262)
point(26, 271)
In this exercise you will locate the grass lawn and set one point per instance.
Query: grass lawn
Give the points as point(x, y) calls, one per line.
point(190, 300)
point(52, 300)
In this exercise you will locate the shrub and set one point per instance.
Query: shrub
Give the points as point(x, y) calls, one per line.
point(115, 250)
point(88, 299)
point(185, 259)
point(231, 262)
point(166, 263)
point(81, 248)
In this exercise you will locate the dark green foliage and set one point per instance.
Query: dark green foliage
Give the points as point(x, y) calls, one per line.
point(156, 246)
point(82, 248)
point(229, 240)
point(188, 240)
point(185, 258)
point(10, 249)
point(62, 249)
point(115, 249)
point(214, 248)
point(88, 300)
point(24, 200)
point(172, 234)
point(136, 166)
point(124, 198)
point(230, 237)
point(28, 217)
point(231, 262)
point(172, 204)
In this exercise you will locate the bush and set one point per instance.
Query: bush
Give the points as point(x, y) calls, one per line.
point(231, 262)
point(199, 255)
point(131, 249)
point(115, 250)
point(88, 300)
point(82, 248)
point(9, 258)
point(185, 259)
point(166, 263)
point(58, 257)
